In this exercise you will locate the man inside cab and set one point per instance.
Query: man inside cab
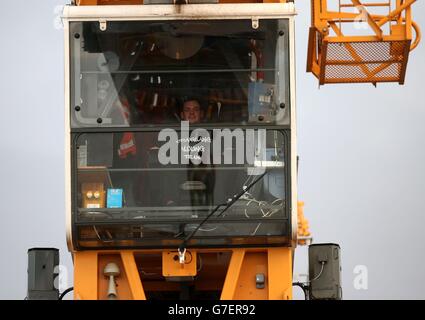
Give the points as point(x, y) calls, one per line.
point(192, 111)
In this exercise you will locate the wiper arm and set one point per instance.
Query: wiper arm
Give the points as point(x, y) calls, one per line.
point(227, 205)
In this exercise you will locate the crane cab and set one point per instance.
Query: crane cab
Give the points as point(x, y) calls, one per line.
point(174, 111)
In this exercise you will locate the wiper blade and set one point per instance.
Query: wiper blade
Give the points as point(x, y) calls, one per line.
point(227, 205)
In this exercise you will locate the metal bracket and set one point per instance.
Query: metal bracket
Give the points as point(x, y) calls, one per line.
point(255, 23)
point(182, 256)
point(103, 25)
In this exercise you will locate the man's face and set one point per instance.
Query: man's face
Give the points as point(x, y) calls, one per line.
point(191, 112)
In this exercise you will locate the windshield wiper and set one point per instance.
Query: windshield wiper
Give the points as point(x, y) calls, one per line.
point(182, 248)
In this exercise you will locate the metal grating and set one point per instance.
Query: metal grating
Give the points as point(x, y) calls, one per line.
point(353, 62)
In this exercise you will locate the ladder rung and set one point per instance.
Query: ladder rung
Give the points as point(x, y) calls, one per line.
point(378, 4)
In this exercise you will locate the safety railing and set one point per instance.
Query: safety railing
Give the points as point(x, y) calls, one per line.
point(361, 41)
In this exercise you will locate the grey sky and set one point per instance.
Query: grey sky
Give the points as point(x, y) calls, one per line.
point(362, 172)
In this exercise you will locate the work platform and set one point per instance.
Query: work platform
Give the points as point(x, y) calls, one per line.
point(355, 44)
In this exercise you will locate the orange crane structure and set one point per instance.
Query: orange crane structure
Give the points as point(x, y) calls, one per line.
point(151, 86)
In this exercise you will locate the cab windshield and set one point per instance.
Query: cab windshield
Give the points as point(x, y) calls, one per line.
point(171, 119)
point(141, 73)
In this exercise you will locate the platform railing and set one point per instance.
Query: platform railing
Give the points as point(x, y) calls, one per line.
point(374, 49)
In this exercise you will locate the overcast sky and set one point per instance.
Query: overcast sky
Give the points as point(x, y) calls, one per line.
point(362, 152)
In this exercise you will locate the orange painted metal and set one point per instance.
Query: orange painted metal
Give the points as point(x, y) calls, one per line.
point(359, 56)
point(86, 275)
point(274, 263)
point(279, 273)
point(233, 272)
point(91, 284)
point(303, 226)
point(235, 281)
point(171, 266)
point(133, 275)
point(122, 281)
point(253, 263)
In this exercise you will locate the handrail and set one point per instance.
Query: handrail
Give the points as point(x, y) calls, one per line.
point(418, 36)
